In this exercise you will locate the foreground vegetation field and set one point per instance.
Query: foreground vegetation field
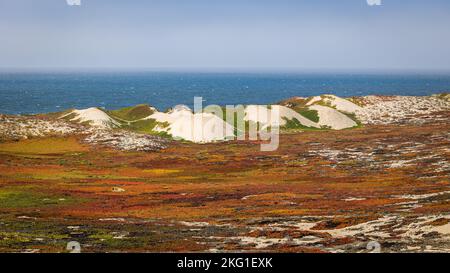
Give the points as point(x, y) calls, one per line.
point(321, 191)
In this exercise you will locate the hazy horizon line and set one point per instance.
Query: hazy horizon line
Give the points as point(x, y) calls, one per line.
point(219, 69)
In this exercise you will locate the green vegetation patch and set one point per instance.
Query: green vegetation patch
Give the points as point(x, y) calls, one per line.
point(295, 124)
point(310, 114)
point(142, 126)
point(11, 198)
point(354, 118)
point(147, 126)
point(132, 113)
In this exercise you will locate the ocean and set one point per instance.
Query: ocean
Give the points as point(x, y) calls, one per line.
point(28, 93)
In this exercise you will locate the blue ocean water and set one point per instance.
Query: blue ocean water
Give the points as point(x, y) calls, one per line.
point(26, 93)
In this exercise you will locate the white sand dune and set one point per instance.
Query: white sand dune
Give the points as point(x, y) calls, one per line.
point(332, 118)
point(182, 123)
point(336, 102)
point(199, 127)
point(94, 116)
point(206, 127)
point(262, 114)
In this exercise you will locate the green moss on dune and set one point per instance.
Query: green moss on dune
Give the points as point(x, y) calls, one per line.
point(132, 113)
point(295, 124)
point(325, 104)
point(67, 115)
point(147, 126)
point(56, 115)
point(310, 114)
point(354, 118)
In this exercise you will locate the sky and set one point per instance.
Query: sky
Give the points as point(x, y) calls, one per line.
point(226, 34)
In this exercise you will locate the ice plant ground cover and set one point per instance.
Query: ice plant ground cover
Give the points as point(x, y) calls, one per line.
point(325, 190)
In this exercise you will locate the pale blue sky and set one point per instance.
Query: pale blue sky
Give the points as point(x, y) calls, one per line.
point(234, 34)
